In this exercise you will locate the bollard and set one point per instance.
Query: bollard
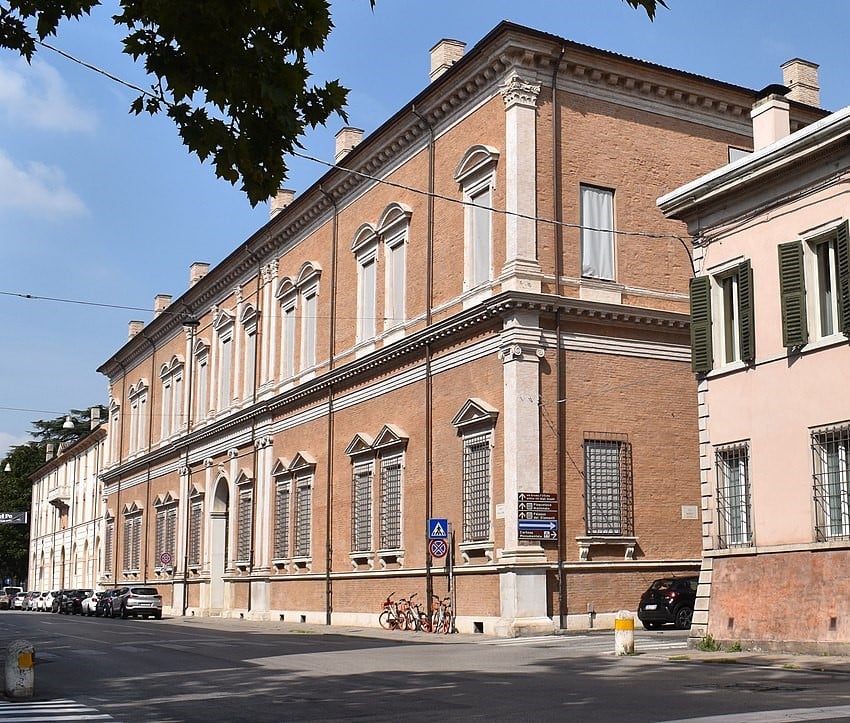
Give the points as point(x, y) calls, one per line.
point(20, 670)
point(624, 633)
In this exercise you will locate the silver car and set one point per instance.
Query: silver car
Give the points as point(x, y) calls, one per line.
point(135, 601)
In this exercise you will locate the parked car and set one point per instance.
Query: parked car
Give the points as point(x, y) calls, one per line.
point(46, 601)
point(136, 600)
point(7, 596)
point(29, 600)
point(18, 602)
point(56, 603)
point(72, 601)
point(104, 603)
point(669, 600)
point(90, 603)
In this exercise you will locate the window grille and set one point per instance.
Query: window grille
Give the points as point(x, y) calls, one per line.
point(281, 532)
point(733, 496)
point(831, 474)
point(195, 521)
point(361, 507)
point(132, 542)
point(476, 487)
point(391, 503)
point(608, 498)
point(245, 521)
point(108, 547)
point(302, 518)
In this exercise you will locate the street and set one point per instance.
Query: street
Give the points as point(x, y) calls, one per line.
point(235, 670)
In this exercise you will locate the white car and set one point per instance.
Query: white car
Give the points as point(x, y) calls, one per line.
point(18, 602)
point(47, 601)
point(89, 602)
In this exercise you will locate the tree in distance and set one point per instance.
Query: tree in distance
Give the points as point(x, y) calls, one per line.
point(232, 75)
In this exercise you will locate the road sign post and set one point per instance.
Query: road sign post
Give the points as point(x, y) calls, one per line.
point(537, 516)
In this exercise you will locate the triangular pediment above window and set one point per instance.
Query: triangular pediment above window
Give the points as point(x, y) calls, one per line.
point(390, 436)
point(196, 492)
point(475, 411)
point(166, 499)
point(281, 467)
point(223, 319)
point(242, 478)
point(132, 508)
point(360, 444)
point(302, 460)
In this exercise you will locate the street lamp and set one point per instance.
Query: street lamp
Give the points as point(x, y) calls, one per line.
point(7, 468)
point(68, 423)
point(190, 325)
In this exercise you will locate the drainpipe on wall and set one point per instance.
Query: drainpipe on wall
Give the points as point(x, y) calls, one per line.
point(429, 387)
point(560, 408)
point(330, 433)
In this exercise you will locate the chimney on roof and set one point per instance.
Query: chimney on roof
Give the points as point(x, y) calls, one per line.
point(771, 116)
point(94, 414)
point(197, 271)
point(284, 197)
point(160, 303)
point(135, 328)
point(346, 140)
point(444, 55)
point(801, 76)
point(48, 453)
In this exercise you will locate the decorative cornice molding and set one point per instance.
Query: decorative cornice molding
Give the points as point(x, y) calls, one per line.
point(518, 91)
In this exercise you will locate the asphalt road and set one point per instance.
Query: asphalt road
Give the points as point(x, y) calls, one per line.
point(232, 670)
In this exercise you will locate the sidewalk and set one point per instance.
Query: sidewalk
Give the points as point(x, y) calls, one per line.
point(786, 661)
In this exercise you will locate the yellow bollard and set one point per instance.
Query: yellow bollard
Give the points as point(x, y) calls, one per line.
point(20, 673)
point(624, 633)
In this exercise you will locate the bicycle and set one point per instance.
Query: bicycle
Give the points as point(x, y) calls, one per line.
point(417, 618)
point(393, 616)
point(441, 616)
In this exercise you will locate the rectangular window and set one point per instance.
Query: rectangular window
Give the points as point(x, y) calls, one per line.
point(132, 542)
point(476, 487)
point(287, 351)
point(826, 276)
point(303, 514)
point(195, 522)
point(202, 401)
point(390, 503)
point(733, 496)
point(283, 496)
point(308, 331)
point(244, 524)
point(597, 233)
point(166, 528)
point(361, 507)
point(396, 271)
point(177, 402)
point(250, 362)
point(108, 547)
point(608, 485)
point(831, 455)
point(225, 391)
point(166, 408)
point(481, 246)
point(366, 302)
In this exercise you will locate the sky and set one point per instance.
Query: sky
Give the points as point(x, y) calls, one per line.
point(101, 210)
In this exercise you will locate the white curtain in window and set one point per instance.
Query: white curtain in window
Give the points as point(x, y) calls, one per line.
point(597, 239)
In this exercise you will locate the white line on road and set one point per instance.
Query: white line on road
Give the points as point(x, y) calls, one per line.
point(48, 712)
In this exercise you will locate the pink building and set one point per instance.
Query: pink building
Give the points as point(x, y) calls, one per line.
point(770, 324)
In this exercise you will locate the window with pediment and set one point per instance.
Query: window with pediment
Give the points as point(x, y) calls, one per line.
point(293, 509)
point(308, 290)
point(132, 538)
point(244, 519)
point(108, 544)
point(475, 423)
point(165, 535)
point(114, 424)
point(202, 381)
point(138, 398)
point(196, 520)
point(171, 417)
point(288, 297)
point(365, 249)
point(224, 353)
point(394, 229)
point(249, 351)
point(476, 176)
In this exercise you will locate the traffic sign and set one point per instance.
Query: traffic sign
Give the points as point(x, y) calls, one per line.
point(537, 516)
point(165, 559)
point(13, 518)
point(438, 548)
point(438, 528)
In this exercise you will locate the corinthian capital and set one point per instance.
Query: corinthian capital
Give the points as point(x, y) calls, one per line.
point(517, 91)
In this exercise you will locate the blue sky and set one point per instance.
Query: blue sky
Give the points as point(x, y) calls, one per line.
point(103, 207)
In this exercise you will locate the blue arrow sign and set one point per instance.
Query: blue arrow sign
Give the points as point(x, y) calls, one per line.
point(538, 525)
point(438, 528)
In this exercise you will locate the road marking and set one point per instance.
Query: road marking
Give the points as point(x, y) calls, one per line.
point(774, 716)
point(47, 711)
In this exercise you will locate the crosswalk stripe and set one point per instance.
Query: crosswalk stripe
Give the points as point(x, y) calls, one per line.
point(49, 711)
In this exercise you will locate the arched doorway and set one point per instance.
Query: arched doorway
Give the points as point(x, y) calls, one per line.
point(219, 515)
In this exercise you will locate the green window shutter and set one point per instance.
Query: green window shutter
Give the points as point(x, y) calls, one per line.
point(792, 292)
point(843, 261)
point(701, 354)
point(746, 314)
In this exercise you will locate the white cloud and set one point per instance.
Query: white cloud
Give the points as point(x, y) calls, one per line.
point(37, 188)
point(38, 96)
point(7, 441)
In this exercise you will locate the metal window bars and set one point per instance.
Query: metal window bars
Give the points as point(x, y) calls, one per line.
point(244, 522)
point(734, 527)
point(609, 487)
point(303, 503)
point(283, 495)
point(831, 482)
point(390, 503)
point(476, 488)
point(195, 521)
point(361, 507)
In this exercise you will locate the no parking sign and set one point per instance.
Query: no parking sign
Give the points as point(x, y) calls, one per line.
point(438, 548)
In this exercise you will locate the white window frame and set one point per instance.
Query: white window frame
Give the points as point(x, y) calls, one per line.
point(138, 397)
point(365, 249)
point(598, 245)
point(733, 495)
point(165, 533)
point(287, 297)
point(394, 230)
point(822, 270)
point(201, 381)
point(249, 352)
point(476, 175)
point(225, 346)
point(243, 553)
point(831, 476)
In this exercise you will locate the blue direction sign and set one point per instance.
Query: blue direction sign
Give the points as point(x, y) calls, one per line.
point(537, 516)
point(438, 528)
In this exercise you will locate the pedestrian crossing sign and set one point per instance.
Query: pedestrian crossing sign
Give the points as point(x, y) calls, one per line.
point(438, 528)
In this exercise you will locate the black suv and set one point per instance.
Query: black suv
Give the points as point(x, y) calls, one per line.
point(71, 602)
point(669, 600)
